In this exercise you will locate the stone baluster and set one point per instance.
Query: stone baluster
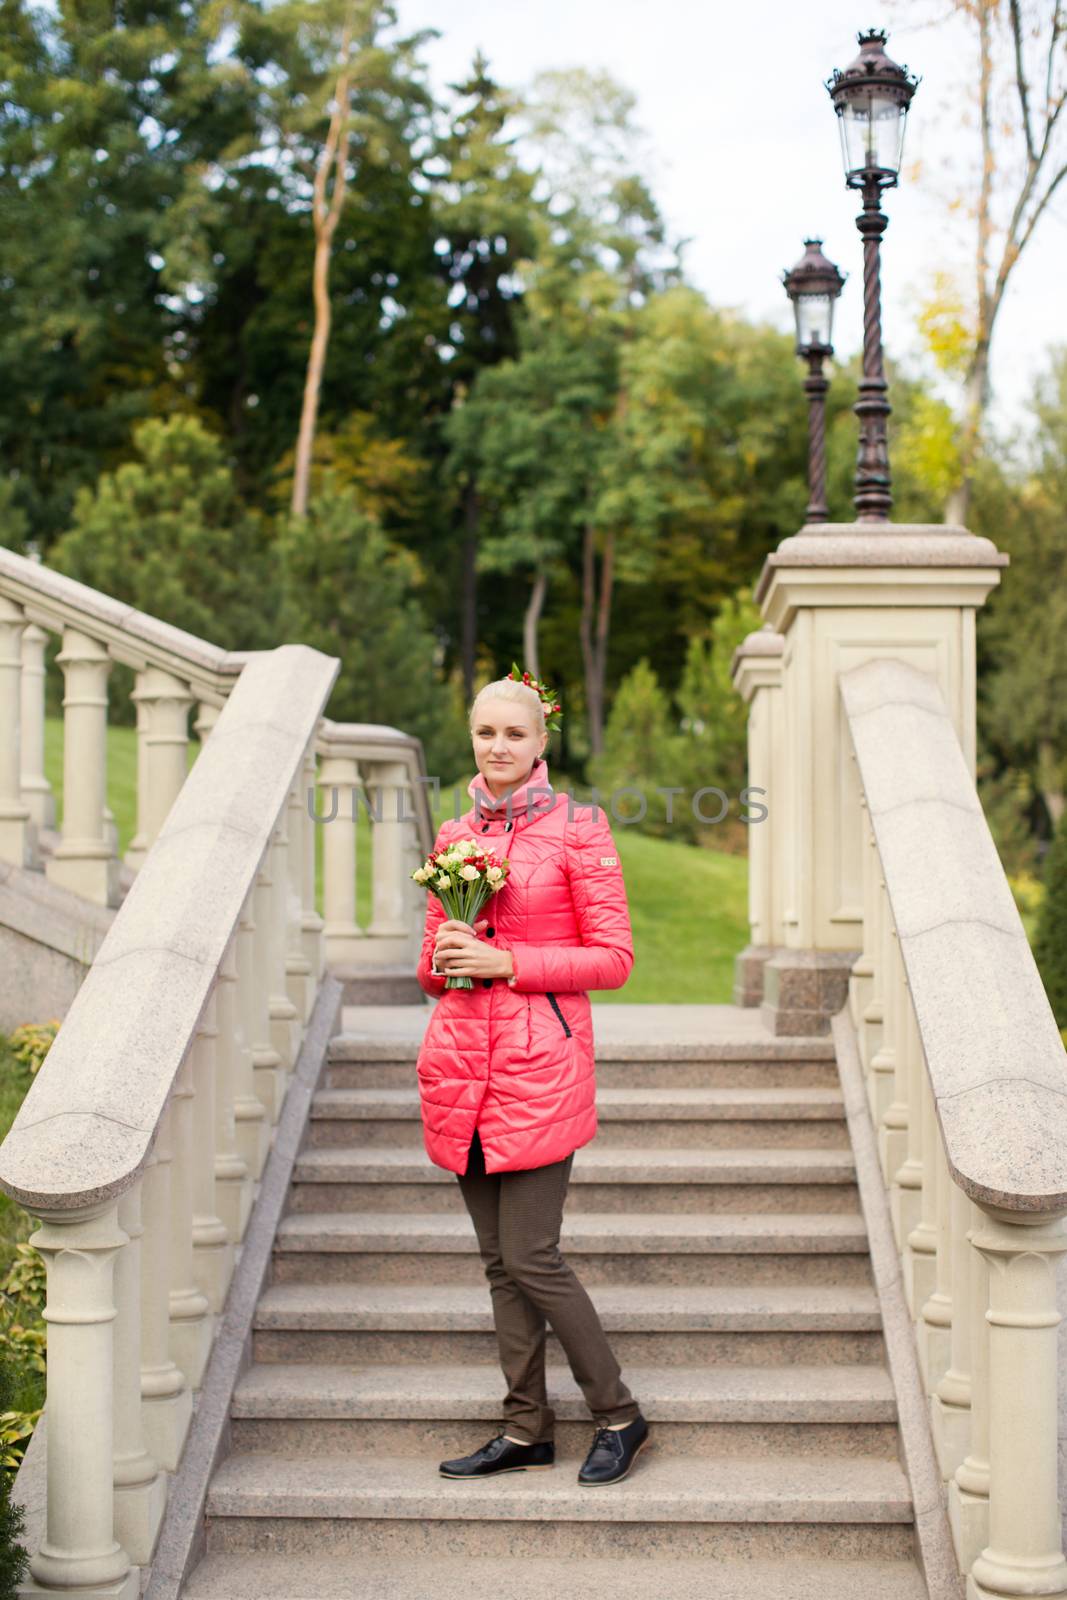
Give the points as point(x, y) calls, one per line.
point(908, 1179)
point(869, 1026)
point(1024, 1556)
point(312, 927)
point(861, 978)
point(206, 717)
point(920, 1255)
point(394, 819)
point(167, 1398)
point(235, 1032)
point(935, 1329)
point(285, 1020)
point(298, 975)
point(18, 833)
point(950, 1404)
point(163, 734)
point(84, 860)
point(232, 1170)
point(137, 848)
point(140, 1485)
point(339, 782)
point(79, 1550)
point(757, 676)
point(269, 1069)
point(190, 1317)
point(213, 1244)
point(36, 789)
point(882, 1071)
point(893, 1131)
point(968, 1492)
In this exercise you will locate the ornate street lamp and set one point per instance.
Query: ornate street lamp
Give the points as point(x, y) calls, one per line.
point(813, 286)
point(871, 98)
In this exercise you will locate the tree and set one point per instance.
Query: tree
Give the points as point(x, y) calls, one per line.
point(640, 752)
point(486, 227)
point(1021, 47)
point(168, 533)
point(351, 592)
point(1050, 940)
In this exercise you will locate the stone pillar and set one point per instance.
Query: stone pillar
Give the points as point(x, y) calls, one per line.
point(1024, 1556)
point(79, 1550)
point(950, 1404)
point(312, 927)
point(190, 1317)
point(920, 1258)
point(167, 1406)
point(163, 703)
point(757, 677)
point(36, 789)
point(285, 1021)
point(18, 833)
point(213, 1245)
point(232, 1170)
point(968, 1492)
point(252, 1141)
point(140, 1485)
point(268, 1065)
point(906, 1198)
point(298, 973)
point(935, 1329)
point(392, 801)
point(84, 860)
point(841, 594)
point(339, 782)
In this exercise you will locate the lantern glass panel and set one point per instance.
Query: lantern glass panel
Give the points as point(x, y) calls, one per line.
point(872, 135)
point(815, 320)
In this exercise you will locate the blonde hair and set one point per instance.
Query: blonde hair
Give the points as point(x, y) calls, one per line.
point(511, 689)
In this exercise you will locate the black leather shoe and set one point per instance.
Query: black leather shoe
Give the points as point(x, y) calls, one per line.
point(613, 1453)
point(501, 1455)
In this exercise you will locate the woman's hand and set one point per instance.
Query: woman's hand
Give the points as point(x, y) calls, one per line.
point(459, 953)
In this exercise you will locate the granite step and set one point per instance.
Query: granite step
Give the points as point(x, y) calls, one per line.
point(764, 1324)
point(361, 1177)
point(608, 1247)
point(359, 1577)
point(420, 1409)
point(704, 1118)
point(758, 1062)
point(851, 1506)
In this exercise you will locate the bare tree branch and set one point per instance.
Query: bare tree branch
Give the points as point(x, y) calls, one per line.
point(1020, 78)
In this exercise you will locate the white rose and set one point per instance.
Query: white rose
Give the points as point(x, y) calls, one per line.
point(470, 873)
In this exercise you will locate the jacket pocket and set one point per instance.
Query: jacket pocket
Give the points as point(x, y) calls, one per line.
point(555, 1006)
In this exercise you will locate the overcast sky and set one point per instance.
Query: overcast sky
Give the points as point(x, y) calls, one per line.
point(747, 159)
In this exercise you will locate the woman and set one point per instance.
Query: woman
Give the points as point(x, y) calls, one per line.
point(507, 1080)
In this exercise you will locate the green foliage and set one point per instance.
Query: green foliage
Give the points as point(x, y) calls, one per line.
point(14, 1557)
point(352, 592)
point(1050, 942)
point(22, 1355)
point(31, 1042)
point(714, 718)
point(167, 532)
point(640, 751)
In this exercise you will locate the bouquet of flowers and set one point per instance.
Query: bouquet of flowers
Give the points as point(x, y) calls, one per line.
point(463, 877)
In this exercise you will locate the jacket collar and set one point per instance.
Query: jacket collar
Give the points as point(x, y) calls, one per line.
point(530, 799)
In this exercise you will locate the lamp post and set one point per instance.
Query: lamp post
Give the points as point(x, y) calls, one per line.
point(813, 286)
point(871, 98)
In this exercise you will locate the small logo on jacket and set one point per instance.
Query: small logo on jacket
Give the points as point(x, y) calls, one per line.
point(609, 861)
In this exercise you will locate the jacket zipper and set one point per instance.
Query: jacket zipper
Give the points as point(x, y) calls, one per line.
point(552, 1001)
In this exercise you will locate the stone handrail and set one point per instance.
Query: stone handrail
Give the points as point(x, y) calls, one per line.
point(145, 1129)
point(966, 1078)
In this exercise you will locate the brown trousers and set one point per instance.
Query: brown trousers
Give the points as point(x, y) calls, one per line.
point(517, 1217)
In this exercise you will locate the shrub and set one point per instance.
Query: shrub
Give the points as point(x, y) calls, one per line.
point(1050, 942)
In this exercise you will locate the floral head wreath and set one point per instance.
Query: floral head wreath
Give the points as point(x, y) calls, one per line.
point(547, 696)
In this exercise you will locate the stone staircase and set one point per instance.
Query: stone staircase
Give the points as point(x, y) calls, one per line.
point(716, 1222)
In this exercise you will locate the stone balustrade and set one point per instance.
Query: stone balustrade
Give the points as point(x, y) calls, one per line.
point(348, 767)
point(140, 1140)
point(966, 1079)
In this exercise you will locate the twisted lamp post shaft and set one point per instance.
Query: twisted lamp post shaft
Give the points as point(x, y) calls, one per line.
point(815, 387)
point(873, 495)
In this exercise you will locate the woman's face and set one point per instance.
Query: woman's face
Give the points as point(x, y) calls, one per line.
point(505, 744)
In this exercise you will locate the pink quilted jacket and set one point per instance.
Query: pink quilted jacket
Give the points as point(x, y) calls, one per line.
point(518, 1062)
